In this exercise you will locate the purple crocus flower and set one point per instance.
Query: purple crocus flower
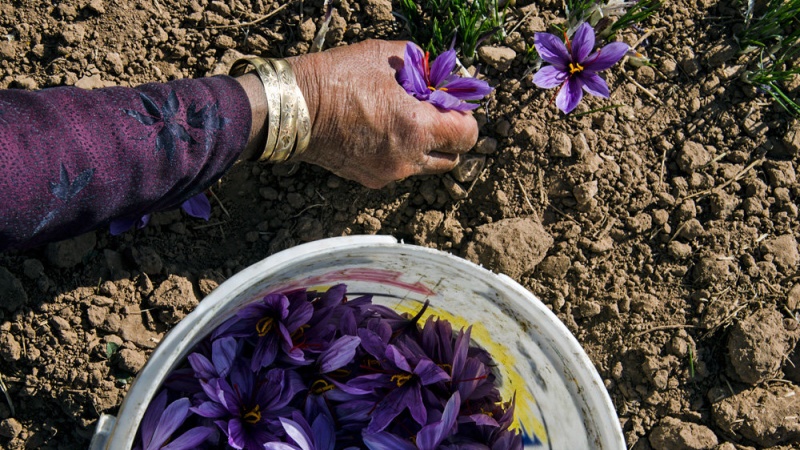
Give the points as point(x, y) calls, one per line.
point(246, 406)
point(428, 438)
point(271, 323)
point(438, 83)
point(160, 422)
point(572, 67)
point(197, 206)
point(320, 435)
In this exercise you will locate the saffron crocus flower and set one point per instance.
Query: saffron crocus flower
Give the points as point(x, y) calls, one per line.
point(246, 406)
point(572, 67)
point(271, 323)
point(428, 438)
point(161, 421)
point(320, 435)
point(438, 82)
point(197, 206)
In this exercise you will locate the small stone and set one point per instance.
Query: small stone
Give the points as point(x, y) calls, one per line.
point(561, 145)
point(555, 266)
point(26, 82)
point(674, 434)
point(679, 250)
point(511, 246)
point(503, 128)
point(486, 145)
point(73, 34)
point(96, 6)
point(791, 140)
point(498, 57)
point(780, 173)
point(225, 41)
point(68, 253)
point(308, 30)
point(468, 168)
point(12, 294)
point(33, 268)
point(10, 349)
point(174, 298)
point(757, 346)
point(379, 10)
point(783, 250)
point(589, 309)
point(456, 191)
point(602, 245)
point(91, 82)
point(692, 156)
point(691, 230)
point(96, 315)
point(585, 192)
point(713, 270)
point(645, 75)
point(10, 428)
point(130, 360)
point(793, 298)
point(8, 49)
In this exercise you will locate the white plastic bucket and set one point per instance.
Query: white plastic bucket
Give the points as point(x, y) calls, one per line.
point(561, 400)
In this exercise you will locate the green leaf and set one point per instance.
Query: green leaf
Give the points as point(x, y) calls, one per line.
point(111, 349)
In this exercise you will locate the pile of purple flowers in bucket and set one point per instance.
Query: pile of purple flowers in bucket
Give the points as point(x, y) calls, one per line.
point(320, 371)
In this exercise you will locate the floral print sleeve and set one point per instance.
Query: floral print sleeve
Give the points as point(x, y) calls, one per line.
point(72, 160)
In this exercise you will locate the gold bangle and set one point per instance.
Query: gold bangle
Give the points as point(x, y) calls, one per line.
point(269, 79)
point(288, 129)
point(303, 124)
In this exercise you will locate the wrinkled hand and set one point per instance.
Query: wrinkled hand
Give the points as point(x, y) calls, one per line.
point(366, 127)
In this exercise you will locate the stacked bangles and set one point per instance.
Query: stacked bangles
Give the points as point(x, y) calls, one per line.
point(289, 123)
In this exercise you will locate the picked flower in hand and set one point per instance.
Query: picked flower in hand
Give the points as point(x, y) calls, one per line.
point(572, 67)
point(438, 83)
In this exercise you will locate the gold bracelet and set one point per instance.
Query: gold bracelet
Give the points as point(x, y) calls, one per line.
point(289, 122)
point(287, 133)
point(269, 79)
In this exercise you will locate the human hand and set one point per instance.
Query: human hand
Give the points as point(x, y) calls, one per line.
point(366, 127)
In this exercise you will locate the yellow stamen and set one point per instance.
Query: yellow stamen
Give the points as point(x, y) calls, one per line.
point(320, 386)
point(575, 68)
point(254, 415)
point(400, 379)
point(300, 332)
point(264, 325)
point(441, 88)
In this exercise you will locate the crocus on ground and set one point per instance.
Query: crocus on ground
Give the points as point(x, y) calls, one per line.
point(572, 67)
point(438, 82)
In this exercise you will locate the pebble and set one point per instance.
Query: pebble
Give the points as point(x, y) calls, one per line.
point(584, 192)
point(510, 246)
point(486, 145)
point(692, 156)
point(498, 57)
point(468, 168)
point(33, 268)
point(675, 434)
point(561, 145)
point(645, 75)
point(555, 266)
point(783, 250)
point(68, 253)
point(456, 191)
point(379, 10)
point(692, 229)
point(130, 360)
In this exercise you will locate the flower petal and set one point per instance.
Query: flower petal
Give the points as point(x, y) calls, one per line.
point(223, 353)
point(442, 66)
point(570, 95)
point(152, 417)
point(190, 439)
point(172, 418)
point(605, 57)
point(430, 436)
point(429, 372)
point(387, 441)
point(467, 88)
point(198, 206)
point(341, 352)
point(552, 50)
point(410, 76)
point(593, 84)
point(447, 102)
point(549, 77)
point(582, 42)
point(295, 431)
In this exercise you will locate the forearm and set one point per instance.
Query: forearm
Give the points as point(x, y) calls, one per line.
point(72, 160)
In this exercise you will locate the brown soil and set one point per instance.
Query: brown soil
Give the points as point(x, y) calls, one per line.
point(662, 232)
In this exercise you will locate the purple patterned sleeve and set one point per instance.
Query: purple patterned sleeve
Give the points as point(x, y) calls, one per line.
point(72, 160)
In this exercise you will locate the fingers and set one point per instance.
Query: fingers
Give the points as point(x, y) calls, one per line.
point(452, 132)
point(438, 162)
